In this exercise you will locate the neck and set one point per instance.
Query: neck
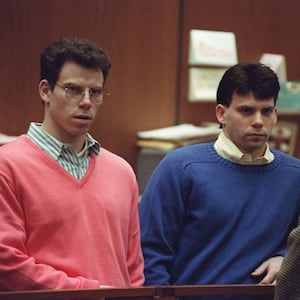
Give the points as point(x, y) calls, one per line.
point(76, 142)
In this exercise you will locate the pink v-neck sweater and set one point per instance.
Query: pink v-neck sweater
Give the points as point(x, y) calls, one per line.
point(58, 232)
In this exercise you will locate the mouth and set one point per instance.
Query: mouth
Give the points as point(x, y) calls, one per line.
point(83, 117)
point(82, 120)
point(256, 135)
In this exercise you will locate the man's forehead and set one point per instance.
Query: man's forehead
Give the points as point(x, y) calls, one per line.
point(250, 100)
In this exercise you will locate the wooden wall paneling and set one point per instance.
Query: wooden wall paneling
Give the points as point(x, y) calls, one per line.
point(19, 69)
point(143, 76)
point(141, 37)
point(260, 26)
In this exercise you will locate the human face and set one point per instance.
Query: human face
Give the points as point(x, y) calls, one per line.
point(68, 120)
point(248, 122)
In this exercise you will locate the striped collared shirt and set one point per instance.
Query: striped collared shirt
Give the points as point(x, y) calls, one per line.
point(75, 164)
point(228, 150)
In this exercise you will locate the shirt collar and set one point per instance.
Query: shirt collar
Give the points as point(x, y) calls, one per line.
point(53, 146)
point(228, 150)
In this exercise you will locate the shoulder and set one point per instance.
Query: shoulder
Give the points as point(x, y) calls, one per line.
point(197, 151)
point(286, 159)
point(16, 148)
point(185, 157)
point(112, 157)
point(19, 156)
point(111, 160)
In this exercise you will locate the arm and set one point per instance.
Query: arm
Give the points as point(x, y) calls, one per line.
point(135, 258)
point(271, 266)
point(161, 214)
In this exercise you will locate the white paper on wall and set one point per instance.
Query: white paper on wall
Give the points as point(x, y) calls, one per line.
point(214, 48)
point(203, 83)
point(277, 63)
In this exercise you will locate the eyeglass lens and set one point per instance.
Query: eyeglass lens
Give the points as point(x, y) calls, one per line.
point(76, 93)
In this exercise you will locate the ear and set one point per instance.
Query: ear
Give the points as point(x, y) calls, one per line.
point(45, 90)
point(220, 112)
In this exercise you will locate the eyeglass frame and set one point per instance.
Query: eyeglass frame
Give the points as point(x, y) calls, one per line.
point(68, 88)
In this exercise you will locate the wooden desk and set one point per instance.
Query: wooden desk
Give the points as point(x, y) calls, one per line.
point(141, 293)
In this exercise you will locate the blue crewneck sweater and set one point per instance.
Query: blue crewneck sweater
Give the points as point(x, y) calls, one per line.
point(207, 220)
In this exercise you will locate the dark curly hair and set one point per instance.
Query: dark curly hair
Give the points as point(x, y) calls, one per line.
point(80, 51)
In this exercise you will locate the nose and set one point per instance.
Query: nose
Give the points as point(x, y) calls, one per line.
point(86, 98)
point(257, 120)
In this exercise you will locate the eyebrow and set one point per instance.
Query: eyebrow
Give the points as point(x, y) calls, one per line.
point(250, 106)
point(81, 86)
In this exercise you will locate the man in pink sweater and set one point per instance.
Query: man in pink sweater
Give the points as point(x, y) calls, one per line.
point(68, 207)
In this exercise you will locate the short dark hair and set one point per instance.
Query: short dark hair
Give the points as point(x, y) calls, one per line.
point(81, 51)
point(244, 78)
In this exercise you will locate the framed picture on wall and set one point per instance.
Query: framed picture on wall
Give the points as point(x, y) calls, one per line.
point(210, 54)
point(213, 48)
point(203, 83)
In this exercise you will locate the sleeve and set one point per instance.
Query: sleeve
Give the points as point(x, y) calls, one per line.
point(135, 260)
point(18, 269)
point(288, 279)
point(161, 211)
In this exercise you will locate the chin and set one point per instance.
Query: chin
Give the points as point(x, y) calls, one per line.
point(79, 132)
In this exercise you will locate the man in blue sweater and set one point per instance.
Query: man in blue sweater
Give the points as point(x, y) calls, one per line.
point(221, 212)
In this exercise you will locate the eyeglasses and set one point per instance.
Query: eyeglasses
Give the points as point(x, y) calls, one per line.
point(76, 93)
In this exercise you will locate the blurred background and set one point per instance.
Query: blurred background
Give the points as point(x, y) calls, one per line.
point(148, 42)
